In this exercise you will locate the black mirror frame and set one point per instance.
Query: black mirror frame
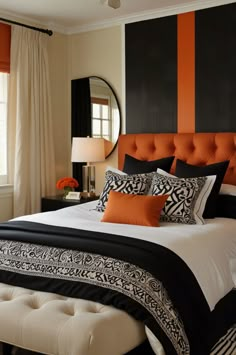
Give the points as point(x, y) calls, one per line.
point(118, 106)
point(82, 128)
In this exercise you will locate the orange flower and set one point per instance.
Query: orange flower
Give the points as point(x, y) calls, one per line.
point(67, 182)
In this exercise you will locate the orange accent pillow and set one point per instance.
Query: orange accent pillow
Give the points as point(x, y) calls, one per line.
point(134, 209)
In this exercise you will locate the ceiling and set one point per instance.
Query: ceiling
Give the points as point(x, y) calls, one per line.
point(71, 16)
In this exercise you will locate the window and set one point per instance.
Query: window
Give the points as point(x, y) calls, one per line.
point(101, 122)
point(3, 127)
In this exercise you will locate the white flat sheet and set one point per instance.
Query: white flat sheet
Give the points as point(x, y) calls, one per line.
point(209, 249)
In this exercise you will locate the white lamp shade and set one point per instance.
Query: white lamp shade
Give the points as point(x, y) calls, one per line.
point(86, 150)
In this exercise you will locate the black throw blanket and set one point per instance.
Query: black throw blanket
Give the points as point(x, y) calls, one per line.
point(148, 281)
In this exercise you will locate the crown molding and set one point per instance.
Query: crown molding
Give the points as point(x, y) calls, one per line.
point(135, 17)
point(147, 15)
point(56, 28)
point(32, 22)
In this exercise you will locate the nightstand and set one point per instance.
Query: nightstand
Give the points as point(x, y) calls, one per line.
point(52, 203)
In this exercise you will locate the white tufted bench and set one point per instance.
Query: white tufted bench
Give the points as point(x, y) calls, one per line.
point(52, 324)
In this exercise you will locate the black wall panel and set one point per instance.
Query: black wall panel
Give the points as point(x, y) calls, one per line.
point(216, 69)
point(151, 75)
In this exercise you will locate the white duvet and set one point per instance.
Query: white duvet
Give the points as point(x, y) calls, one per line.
point(209, 250)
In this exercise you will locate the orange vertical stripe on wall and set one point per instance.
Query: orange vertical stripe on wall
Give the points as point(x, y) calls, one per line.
point(5, 43)
point(186, 72)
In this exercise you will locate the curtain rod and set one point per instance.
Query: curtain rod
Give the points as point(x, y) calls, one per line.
point(48, 32)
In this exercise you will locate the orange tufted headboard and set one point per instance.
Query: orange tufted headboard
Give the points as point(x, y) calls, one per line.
point(193, 148)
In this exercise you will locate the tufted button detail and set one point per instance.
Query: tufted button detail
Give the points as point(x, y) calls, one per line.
point(152, 147)
point(192, 147)
point(6, 298)
point(171, 147)
point(34, 307)
point(33, 304)
point(69, 312)
point(134, 146)
point(91, 309)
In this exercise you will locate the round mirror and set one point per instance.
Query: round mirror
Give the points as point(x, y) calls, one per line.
point(95, 111)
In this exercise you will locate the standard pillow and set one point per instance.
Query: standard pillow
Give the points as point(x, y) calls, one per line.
point(219, 169)
point(134, 209)
point(227, 189)
point(138, 184)
point(187, 197)
point(136, 166)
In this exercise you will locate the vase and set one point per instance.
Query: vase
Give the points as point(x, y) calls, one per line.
point(67, 189)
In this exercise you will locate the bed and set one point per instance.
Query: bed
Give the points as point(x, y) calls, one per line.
point(71, 284)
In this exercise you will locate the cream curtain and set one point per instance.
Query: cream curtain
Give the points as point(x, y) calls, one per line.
point(30, 141)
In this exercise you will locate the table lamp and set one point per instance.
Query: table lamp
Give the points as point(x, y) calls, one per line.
point(87, 150)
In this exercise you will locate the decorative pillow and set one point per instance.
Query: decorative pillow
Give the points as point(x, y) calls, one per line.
point(227, 189)
point(134, 209)
point(187, 197)
point(136, 166)
point(137, 184)
point(219, 169)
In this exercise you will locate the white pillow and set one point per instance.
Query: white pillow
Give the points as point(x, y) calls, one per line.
point(227, 189)
point(203, 189)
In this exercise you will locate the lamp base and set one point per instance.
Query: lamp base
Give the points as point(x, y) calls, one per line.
point(89, 195)
point(89, 179)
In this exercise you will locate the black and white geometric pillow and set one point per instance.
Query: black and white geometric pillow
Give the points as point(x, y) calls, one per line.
point(187, 197)
point(138, 184)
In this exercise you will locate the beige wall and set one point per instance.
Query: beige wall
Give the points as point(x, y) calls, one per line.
point(93, 53)
point(59, 71)
point(98, 53)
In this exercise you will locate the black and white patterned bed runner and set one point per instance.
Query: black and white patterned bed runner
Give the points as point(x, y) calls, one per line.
point(71, 265)
point(227, 344)
point(146, 280)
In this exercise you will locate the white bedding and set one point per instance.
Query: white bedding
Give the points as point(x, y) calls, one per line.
point(209, 249)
